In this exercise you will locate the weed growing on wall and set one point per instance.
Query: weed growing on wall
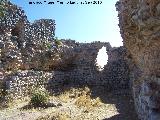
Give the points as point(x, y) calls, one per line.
point(57, 42)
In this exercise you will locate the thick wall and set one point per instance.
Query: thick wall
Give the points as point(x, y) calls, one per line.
point(80, 70)
point(22, 42)
point(30, 58)
point(139, 22)
point(83, 70)
point(22, 83)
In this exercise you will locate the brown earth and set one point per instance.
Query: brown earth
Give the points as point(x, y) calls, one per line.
point(89, 103)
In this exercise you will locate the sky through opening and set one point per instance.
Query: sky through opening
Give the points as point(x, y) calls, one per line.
point(102, 58)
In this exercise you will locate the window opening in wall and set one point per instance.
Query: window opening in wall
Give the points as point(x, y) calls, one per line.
point(102, 58)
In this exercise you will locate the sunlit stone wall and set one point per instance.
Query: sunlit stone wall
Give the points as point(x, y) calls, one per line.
point(84, 71)
point(30, 58)
point(80, 70)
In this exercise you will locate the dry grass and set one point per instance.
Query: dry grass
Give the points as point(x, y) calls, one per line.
point(73, 93)
point(64, 97)
point(52, 116)
point(85, 101)
point(80, 105)
point(82, 97)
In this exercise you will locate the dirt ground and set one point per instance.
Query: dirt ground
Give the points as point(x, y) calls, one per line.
point(73, 103)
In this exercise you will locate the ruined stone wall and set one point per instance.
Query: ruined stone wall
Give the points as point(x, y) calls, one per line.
point(139, 21)
point(82, 70)
point(22, 83)
point(23, 47)
point(79, 69)
point(21, 41)
point(30, 58)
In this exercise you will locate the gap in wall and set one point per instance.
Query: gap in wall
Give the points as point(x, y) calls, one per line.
point(102, 59)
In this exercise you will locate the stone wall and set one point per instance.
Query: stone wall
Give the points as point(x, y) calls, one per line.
point(30, 58)
point(139, 21)
point(28, 51)
point(80, 70)
point(21, 42)
point(22, 83)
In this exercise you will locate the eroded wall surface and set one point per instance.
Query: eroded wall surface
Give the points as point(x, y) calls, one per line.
point(22, 42)
point(139, 22)
point(78, 68)
point(83, 70)
point(31, 58)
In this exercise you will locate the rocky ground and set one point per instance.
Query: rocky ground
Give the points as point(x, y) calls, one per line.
point(89, 103)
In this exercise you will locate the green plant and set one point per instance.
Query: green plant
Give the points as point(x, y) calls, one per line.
point(46, 45)
point(39, 97)
point(49, 46)
point(57, 41)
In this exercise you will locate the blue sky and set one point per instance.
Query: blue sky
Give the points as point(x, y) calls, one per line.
point(80, 22)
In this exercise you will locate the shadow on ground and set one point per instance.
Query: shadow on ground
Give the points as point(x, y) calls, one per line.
point(44, 106)
point(122, 99)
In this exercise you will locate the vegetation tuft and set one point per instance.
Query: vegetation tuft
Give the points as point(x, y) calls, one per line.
point(39, 98)
point(57, 42)
point(87, 102)
point(82, 96)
